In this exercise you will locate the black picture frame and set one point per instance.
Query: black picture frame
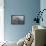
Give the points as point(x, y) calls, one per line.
point(17, 19)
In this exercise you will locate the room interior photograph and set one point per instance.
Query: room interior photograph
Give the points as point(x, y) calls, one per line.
point(22, 22)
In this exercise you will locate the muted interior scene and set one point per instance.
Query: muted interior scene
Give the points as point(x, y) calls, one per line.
point(22, 22)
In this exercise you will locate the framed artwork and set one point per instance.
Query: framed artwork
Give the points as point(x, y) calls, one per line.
point(17, 19)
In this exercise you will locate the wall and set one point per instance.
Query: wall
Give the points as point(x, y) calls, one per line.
point(42, 6)
point(1, 20)
point(19, 7)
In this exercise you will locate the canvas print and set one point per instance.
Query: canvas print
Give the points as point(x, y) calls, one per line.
point(17, 19)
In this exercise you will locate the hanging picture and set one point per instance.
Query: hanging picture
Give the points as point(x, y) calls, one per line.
point(17, 19)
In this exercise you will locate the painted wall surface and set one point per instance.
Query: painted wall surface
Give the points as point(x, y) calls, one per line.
point(19, 7)
point(1, 20)
point(43, 6)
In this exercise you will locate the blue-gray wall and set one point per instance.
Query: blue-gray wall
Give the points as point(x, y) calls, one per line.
point(43, 6)
point(19, 7)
